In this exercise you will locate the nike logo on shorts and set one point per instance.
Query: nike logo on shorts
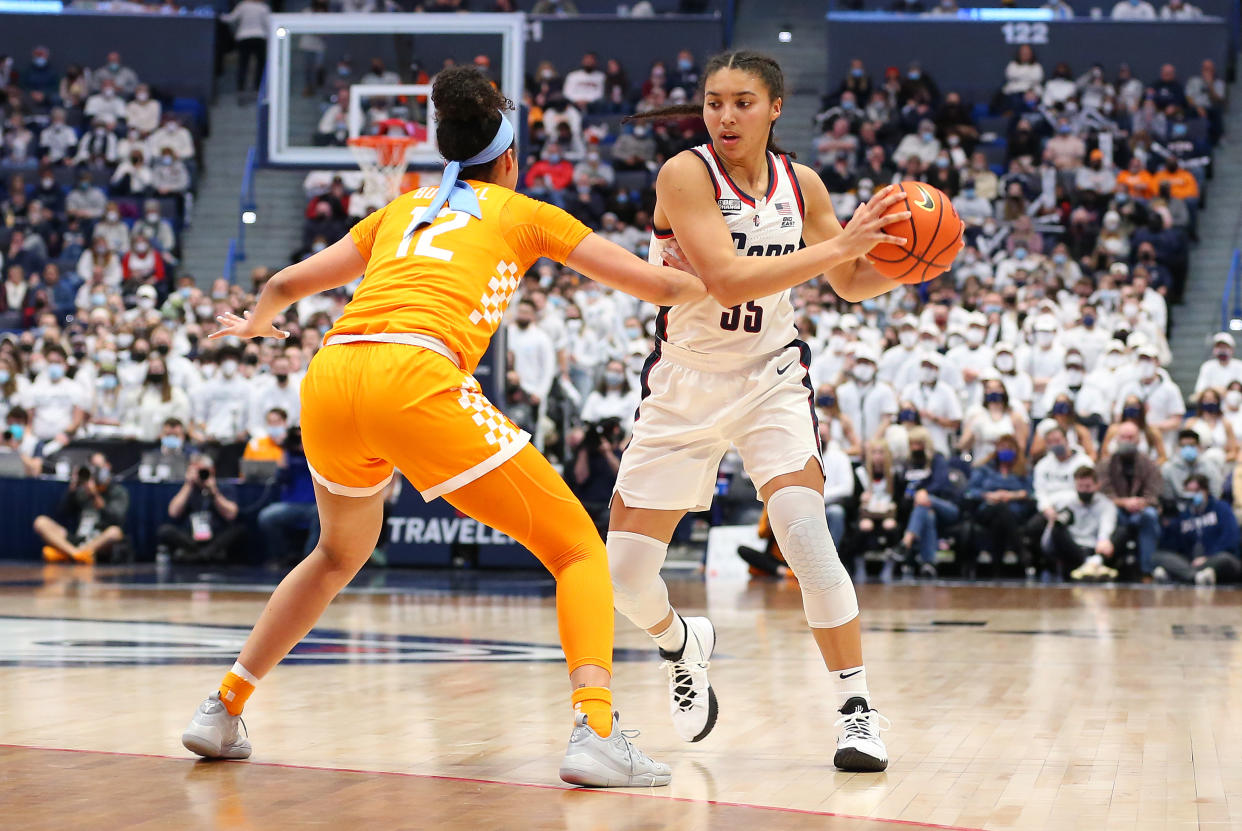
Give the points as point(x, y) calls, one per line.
point(782, 370)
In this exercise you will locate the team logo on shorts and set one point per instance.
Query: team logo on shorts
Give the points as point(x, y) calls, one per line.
point(730, 206)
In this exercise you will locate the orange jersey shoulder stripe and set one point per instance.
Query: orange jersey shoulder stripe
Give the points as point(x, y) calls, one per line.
point(452, 279)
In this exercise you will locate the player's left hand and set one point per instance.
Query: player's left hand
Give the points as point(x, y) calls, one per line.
point(243, 327)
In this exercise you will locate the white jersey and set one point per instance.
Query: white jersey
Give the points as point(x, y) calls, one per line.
point(761, 227)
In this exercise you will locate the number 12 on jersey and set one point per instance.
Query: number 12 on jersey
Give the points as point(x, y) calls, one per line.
point(425, 248)
point(752, 321)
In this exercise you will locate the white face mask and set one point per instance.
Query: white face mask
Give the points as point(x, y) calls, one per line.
point(1130, 309)
point(864, 372)
point(1073, 377)
point(908, 339)
point(974, 336)
point(928, 375)
point(1233, 399)
point(1004, 362)
point(1044, 339)
point(1147, 370)
point(229, 368)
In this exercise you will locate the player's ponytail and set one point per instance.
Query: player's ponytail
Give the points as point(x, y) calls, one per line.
point(468, 110)
point(766, 69)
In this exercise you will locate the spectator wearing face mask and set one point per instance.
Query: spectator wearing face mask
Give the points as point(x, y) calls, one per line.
point(1017, 383)
point(267, 442)
point(1160, 396)
point(108, 402)
point(276, 389)
point(1133, 10)
point(871, 405)
point(584, 86)
point(1062, 414)
point(1222, 369)
point(1054, 474)
point(170, 176)
point(550, 176)
point(1216, 435)
point(928, 501)
point(168, 461)
point(1201, 544)
point(940, 409)
point(905, 351)
point(1188, 461)
point(999, 492)
point(294, 510)
point(974, 357)
point(86, 201)
point(1132, 480)
point(835, 427)
point(1089, 405)
point(157, 401)
point(220, 403)
point(156, 228)
point(1043, 360)
point(56, 403)
point(922, 145)
point(143, 268)
point(985, 424)
point(92, 512)
point(613, 398)
point(1079, 527)
point(12, 383)
point(105, 105)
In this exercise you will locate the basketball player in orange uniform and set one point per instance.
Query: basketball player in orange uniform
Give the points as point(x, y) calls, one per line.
point(393, 387)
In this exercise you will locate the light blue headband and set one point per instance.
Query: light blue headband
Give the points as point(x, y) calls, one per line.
point(459, 195)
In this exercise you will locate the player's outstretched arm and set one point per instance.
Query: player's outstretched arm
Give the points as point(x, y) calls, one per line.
point(854, 280)
point(686, 197)
point(338, 264)
point(608, 263)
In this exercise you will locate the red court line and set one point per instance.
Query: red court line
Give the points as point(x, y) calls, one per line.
point(442, 778)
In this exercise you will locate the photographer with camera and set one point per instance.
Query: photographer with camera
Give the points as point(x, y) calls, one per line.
point(295, 509)
point(94, 506)
point(206, 526)
point(594, 471)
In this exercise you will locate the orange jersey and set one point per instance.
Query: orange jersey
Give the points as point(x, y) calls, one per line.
point(452, 279)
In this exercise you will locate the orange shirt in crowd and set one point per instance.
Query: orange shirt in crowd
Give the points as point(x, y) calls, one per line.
point(1139, 185)
point(1182, 183)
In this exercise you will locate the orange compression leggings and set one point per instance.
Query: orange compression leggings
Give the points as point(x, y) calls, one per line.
point(526, 499)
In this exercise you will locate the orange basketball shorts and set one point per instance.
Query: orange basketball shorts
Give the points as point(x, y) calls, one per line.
point(370, 407)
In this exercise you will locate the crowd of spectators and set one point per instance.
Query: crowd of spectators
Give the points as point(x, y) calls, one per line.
point(1015, 414)
point(96, 181)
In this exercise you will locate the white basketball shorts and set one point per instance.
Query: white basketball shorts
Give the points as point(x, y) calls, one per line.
point(691, 413)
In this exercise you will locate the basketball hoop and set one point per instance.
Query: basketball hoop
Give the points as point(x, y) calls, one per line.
point(383, 158)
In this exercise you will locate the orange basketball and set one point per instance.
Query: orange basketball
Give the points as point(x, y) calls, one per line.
point(933, 236)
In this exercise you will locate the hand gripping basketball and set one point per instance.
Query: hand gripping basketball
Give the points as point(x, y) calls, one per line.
point(933, 234)
point(866, 228)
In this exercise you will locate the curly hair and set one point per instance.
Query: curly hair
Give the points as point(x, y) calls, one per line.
point(468, 108)
point(763, 67)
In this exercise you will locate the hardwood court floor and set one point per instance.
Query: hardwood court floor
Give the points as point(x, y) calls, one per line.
point(1054, 708)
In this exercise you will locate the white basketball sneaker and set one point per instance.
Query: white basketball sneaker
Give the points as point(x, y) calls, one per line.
point(213, 732)
point(692, 700)
point(614, 762)
point(860, 748)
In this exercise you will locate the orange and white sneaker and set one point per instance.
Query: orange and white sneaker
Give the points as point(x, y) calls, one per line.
point(84, 556)
point(213, 732)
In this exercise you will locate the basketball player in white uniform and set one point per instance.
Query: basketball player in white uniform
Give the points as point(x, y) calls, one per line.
point(729, 370)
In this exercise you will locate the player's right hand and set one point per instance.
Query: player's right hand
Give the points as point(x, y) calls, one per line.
point(866, 228)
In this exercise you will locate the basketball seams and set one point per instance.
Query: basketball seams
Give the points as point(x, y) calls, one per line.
point(922, 264)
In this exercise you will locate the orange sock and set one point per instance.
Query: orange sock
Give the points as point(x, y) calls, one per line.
point(236, 687)
point(596, 702)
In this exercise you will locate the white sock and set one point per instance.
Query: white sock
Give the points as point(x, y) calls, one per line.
point(673, 638)
point(848, 683)
point(243, 673)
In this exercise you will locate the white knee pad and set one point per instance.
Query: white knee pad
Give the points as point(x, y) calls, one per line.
point(638, 590)
point(801, 529)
